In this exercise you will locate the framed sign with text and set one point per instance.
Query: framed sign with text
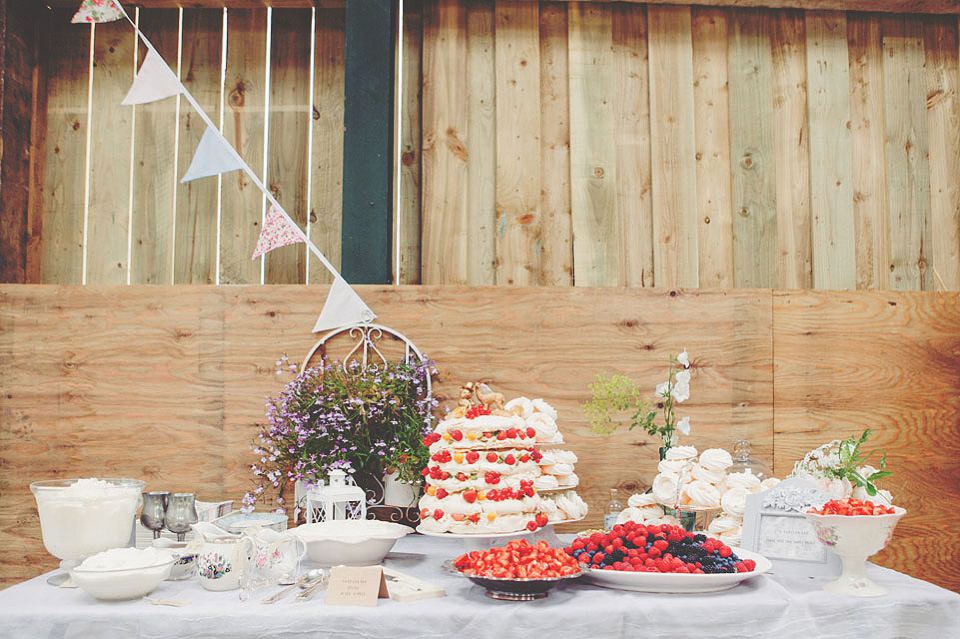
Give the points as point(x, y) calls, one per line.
point(774, 526)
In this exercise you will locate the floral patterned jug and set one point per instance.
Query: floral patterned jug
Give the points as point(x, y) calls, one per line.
point(224, 557)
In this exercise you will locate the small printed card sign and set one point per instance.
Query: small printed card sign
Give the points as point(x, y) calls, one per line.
point(774, 526)
point(356, 586)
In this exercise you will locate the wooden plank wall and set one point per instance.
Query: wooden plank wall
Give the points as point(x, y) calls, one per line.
point(124, 217)
point(690, 146)
point(551, 143)
point(789, 370)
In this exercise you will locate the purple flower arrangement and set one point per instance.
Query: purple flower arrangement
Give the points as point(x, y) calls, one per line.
point(356, 418)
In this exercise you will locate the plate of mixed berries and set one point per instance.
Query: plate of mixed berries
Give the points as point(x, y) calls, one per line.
point(663, 558)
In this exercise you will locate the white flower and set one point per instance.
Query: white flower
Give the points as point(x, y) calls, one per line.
point(681, 387)
point(674, 440)
point(663, 389)
point(683, 359)
point(684, 426)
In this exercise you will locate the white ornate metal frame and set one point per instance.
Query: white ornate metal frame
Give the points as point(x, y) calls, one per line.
point(367, 335)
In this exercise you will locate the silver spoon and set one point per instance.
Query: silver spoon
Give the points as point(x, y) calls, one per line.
point(304, 581)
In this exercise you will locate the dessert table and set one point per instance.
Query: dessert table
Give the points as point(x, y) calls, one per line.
point(766, 606)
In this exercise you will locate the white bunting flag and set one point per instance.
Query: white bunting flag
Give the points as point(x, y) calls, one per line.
point(212, 157)
point(155, 81)
point(276, 232)
point(342, 308)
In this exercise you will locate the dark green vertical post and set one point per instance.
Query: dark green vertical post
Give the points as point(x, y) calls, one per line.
point(368, 142)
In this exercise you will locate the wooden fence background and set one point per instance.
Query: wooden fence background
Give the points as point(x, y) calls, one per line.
point(166, 383)
point(552, 143)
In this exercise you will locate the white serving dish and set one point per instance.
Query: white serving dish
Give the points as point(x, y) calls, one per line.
point(350, 542)
point(123, 583)
point(238, 522)
point(678, 582)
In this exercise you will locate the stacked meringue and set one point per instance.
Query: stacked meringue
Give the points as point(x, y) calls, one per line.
point(698, 484)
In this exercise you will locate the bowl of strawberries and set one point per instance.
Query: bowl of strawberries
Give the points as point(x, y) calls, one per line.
point(854, 529)
point(519, 571)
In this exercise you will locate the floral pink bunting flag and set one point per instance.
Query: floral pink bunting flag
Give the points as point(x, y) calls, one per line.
point(276, 232)
point(98, 11)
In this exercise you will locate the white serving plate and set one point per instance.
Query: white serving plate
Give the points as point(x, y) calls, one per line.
point(238, 522)
point(678, 582)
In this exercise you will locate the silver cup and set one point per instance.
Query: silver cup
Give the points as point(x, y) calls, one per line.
point(181, 512)
point(154, 507)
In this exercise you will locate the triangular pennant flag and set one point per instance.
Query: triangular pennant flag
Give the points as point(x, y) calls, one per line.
point(98, 11)
point(155, 81)
point(276, 232)
point(212, 157)
point(342, 308)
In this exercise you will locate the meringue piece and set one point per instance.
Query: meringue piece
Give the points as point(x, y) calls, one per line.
point(572, 505)
point(557, 469)
point(716, 459)
point(734, 501)
point(769, 483)
point(640, 500)
point(702, 494)
point(710, 476)
point(568, 481)
point(745, 480)
point(672, 466)
point(540, 406)
point(665, 488)
point(524, 404)
point(683, 453)
point(546, 428)
point(546, 482)
point(558, 456)
point(724, 524)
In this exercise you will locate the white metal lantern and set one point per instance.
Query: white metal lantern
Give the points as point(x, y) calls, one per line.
point(341, 499)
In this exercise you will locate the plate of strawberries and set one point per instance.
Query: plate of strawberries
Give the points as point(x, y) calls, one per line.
point(663, 558)
point(518, 571)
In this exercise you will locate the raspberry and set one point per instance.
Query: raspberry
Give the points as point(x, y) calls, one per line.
point(492, 458)
point(531, 431)
point(456, 435)
point(437, 514)
point(472, 457)
point(509, 459)
point(441, 493)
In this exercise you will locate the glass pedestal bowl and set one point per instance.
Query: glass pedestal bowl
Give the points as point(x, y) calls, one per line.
point(854, 538)
point(81, 517)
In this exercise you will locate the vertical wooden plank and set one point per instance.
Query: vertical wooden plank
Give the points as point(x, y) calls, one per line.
point(791, 149)
point(632, 140)
point(481, 187)
point(38, 148)
point(111, 129)
point(154, 152)
point(410, 136)
point(63, 187)
point(326, 207)
point(518, 143)
point(195, 244)
point(445, 242)
point(713, 117)
point(868, 126)
point(943, 122)
point(831, 173)
point(673, 146)
point(67, 64)
point(290, 113)
point(593, 152)
point(556, 257)
point(908, 172)
point(245, 90)
point(368, 143)
point(752, 151)
point(20, 26)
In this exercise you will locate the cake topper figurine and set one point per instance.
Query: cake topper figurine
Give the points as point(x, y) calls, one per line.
point(489, 398)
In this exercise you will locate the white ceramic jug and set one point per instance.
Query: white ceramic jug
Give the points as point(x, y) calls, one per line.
point(224, 557)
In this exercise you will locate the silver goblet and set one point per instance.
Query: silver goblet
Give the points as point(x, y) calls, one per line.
point(181, 513)
point(154, 506)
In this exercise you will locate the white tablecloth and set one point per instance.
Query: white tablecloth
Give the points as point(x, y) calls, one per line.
point(767, 606)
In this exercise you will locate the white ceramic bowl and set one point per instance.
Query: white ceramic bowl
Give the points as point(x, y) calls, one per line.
point(238, 522)
point(123, 583)
point(350, 542)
